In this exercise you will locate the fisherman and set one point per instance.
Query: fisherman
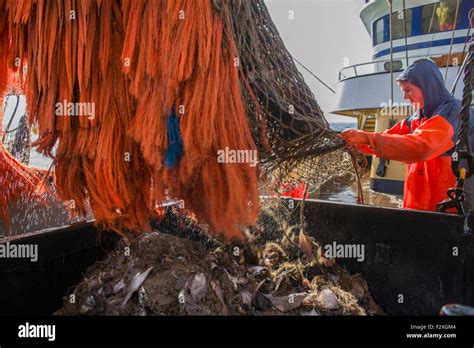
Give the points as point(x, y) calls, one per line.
point(424, 140)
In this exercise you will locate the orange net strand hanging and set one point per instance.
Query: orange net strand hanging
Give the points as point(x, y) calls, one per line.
point(180, 58)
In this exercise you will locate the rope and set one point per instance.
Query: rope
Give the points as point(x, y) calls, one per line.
point(452, 40)
point(390, 6)
point(10, 131)
point(314, 75)
point(461, 67)
point(11, 118)
point(405, 29)
point(463, 143)
point(462, 153)
point(431, 25)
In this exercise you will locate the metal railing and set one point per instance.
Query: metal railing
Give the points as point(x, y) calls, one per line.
point(376, 67)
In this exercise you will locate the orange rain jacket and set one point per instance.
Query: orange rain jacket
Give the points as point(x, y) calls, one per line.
point(425, 142)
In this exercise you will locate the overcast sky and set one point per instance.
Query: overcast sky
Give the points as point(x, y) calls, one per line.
point(321, 35)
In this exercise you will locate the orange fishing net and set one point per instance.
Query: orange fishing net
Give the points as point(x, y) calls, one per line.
point(136, 100)
point(73, 52)
point(17, 182)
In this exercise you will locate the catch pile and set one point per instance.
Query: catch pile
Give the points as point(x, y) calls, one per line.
point(163, 274)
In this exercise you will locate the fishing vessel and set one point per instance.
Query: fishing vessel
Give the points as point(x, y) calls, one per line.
point(402, 32)
point(415, 261)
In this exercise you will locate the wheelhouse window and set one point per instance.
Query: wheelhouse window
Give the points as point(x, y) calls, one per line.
point(379, 27)
point(432, 18)
point(400, 21)
point(439, 17)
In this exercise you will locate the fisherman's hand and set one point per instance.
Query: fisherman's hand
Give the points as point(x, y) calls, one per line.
point(355, 137)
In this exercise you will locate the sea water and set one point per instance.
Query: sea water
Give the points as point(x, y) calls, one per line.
point(343, 193)
point(340, 126)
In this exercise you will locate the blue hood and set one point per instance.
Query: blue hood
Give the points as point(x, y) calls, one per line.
point(426, 75)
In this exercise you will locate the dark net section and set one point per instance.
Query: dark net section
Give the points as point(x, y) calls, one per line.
point(287, 123)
